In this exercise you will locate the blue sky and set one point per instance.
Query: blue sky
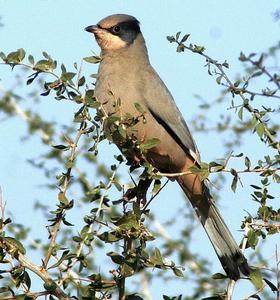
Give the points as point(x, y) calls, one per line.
point(223, 27)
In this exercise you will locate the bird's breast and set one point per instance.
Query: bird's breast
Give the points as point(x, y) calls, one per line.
point(118, 85)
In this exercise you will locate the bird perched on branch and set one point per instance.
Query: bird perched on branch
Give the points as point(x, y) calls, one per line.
point(126, 78)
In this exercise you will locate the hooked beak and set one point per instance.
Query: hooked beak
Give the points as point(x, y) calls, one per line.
point(92, 28)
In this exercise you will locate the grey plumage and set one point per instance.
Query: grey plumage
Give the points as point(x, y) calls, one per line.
point(126, 72)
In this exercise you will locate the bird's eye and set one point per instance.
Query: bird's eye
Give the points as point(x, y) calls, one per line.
point(116, 28)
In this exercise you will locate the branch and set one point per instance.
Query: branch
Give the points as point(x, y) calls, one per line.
point(235, 90)
point(64, 189)
point(259, 170)
point(264, 70)
point(245, 91)
point(54, 289)
point(32, 295)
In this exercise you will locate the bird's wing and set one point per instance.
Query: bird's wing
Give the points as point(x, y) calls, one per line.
point(163, 107)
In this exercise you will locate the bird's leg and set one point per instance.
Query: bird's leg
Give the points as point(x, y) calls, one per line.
point(139, 191)
point(142, 189)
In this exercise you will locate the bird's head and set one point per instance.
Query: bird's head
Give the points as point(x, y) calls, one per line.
point(115, 32)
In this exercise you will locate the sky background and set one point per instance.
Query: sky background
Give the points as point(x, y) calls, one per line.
point(57, 27)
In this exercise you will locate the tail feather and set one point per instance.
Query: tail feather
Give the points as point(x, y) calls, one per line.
point(230, 255)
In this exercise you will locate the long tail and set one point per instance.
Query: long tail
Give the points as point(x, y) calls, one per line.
point(231, 258)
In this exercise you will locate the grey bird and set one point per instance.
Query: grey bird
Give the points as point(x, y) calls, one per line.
point(125, 73)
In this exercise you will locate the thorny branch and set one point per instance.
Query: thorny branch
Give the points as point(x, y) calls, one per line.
point(234, 89)
point(67, 178)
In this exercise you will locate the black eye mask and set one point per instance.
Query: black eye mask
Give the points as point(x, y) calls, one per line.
point(127, 31)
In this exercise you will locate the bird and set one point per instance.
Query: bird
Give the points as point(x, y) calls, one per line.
point(126, 78)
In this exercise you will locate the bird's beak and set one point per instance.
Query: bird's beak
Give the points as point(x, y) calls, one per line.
point(92, 28)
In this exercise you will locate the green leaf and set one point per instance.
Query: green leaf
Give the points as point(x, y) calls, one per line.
point(92, 59)
point(219, 276)
point(215, 167)
point(171, 39)
point(256, 187)
point(177, 272)
point(256, 278)
point(15, 243)
point(2, 55)
point(242, 57)
point(271, 285)
point(247, 162)
point(65, 222)
point(44, 65)
point(67, 76)
point(63, 68)
point(50, 286)
point(77, 239)
point(116, 258)
point(240, 113)
point(157, 186)
point(180, 48)
point(27, 279)
point(81, 81)
point(177, 35)
point(16, 57)
point(156, 258)
point(46, 55)
point(21, 55)
point(260, 129)
point(90, 99)
point(122, 130)
point(276, 177)
point(203, 170)
point(31, 59)
point(225, 64)
point(237, 83)
point(139, 107)
point(151, 143)
point(254, 120)
point(61, 147)
point(234, 183)
point(185, 37)
point(219, 79)
point(127, 270)
point(109, 237)
point(252, 238)
point(127, 222)
point(198, 49)
point(272, 229)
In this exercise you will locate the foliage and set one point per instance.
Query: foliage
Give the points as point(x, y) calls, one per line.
point(120, 223)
